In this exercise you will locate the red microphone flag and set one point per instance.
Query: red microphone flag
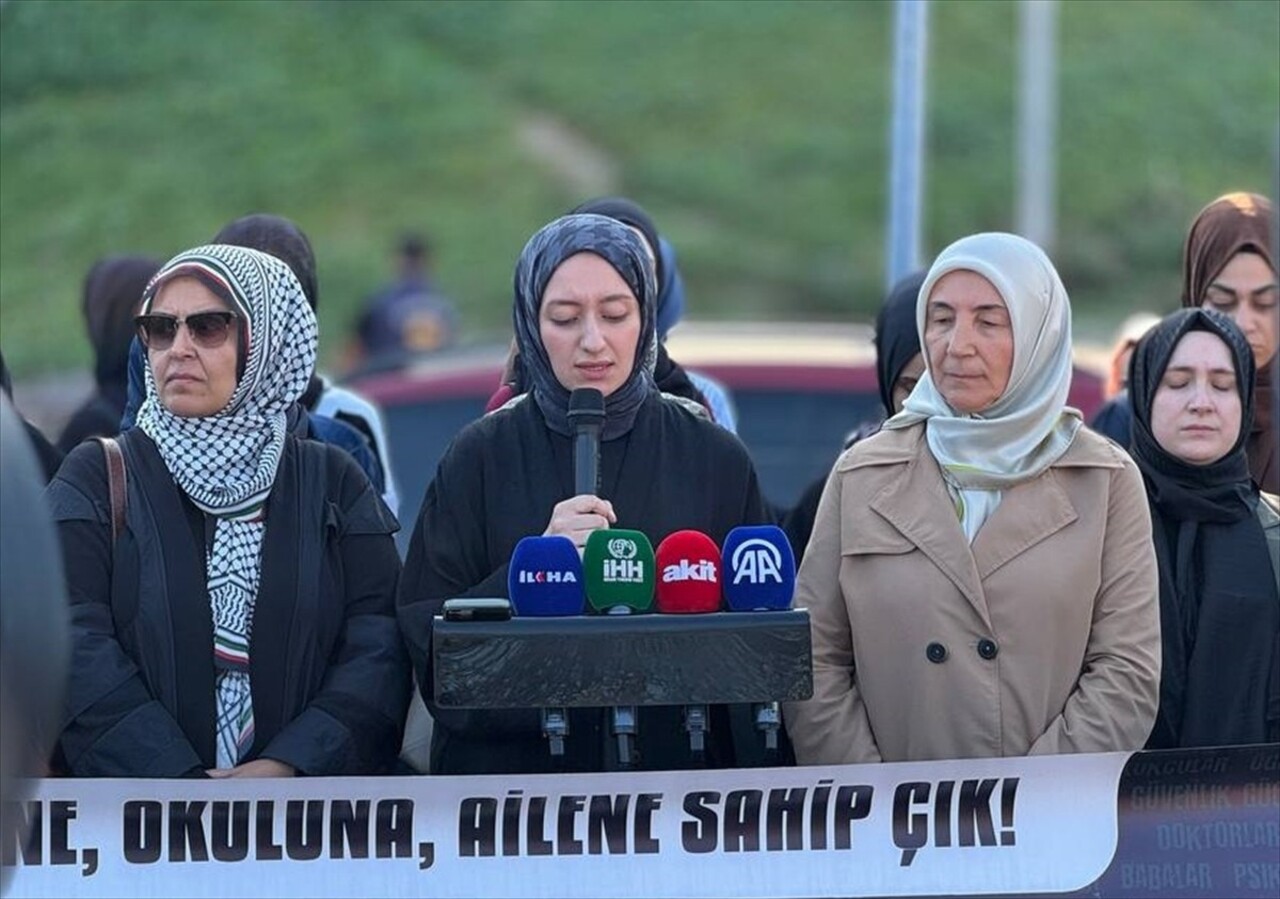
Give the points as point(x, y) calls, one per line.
point(688, 569)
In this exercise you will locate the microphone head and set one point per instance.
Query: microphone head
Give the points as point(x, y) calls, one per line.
point(586, 406)
point(759, 569)
point(545, 577)
point(619, 571)
point(688, 569)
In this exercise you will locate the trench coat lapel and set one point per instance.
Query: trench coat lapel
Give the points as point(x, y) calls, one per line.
point(920, 508)
point(1027, 514)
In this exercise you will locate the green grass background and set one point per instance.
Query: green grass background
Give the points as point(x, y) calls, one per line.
point(756, 134)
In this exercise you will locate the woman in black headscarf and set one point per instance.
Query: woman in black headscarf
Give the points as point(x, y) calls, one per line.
point(584, 317)
point(112, 290)
point(1192, 385)
point(898, 367)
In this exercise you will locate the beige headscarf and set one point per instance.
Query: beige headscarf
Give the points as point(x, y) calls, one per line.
point(1030, 426)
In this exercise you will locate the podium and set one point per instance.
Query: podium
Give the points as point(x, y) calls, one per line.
point(623, 660)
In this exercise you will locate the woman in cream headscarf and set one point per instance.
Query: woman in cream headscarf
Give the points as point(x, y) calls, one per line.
point(980, 578)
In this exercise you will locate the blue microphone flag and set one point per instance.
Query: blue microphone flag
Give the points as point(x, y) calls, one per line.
point(759, 569)
point(545, 577)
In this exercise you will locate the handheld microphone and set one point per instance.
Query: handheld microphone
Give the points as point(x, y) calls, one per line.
point(586, 414)
point(759, 569)
point(619, 571)
point(687, 564)
point(545, 577)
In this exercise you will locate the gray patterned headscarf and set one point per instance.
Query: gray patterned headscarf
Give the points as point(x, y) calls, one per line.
point(622, 248)
point(226, 462)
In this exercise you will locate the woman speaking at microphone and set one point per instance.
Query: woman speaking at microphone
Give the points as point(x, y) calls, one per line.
point(584, 316)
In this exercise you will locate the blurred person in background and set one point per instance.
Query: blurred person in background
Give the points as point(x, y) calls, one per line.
point(669, 375)
point(241, 623)
point(1112, 419)
point(584, 316)
point(1217, 540)
point(33, 632)
point(334, 411)
point(409, 315)
point(1227, 265)
point(899, 365)
point(1127, 337)
point(1229, 268)
point(980, 579)
point(48, 456)
point(112, 290)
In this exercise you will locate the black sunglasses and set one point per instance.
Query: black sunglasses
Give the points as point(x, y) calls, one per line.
point(209, 330)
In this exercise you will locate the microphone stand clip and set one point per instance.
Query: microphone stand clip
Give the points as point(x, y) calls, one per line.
point(555, 727)
point(768, 722)
point(695, 724)
point(625, 726)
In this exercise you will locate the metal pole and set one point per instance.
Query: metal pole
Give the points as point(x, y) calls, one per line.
point(906, 148)
point(1037, 121)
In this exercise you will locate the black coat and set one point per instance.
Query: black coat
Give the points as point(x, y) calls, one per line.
point(496, 484)
point(329, 674)
point(1115, 420)
point(97, 416)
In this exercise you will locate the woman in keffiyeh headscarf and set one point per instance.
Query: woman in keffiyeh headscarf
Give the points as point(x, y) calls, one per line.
point(980, 579)
point(584, 316)
point(1215, 538)
point(241, 623)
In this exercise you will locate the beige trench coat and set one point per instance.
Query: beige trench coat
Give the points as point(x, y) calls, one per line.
point(1043, 637)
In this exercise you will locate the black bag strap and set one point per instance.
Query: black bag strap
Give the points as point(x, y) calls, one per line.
point(117, 482)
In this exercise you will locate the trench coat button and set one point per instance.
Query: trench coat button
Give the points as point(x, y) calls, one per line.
point(988, 649)
point(936, 653)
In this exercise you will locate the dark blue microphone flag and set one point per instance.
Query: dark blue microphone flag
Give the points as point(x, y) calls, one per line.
point(545, 577)
point(758, 569)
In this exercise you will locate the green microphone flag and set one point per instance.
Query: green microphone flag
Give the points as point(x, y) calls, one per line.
point(619, 571)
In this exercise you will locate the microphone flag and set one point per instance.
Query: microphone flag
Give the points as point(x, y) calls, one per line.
point(759, 569)
point(619, 571)
point(688, 573)
point(545, 577)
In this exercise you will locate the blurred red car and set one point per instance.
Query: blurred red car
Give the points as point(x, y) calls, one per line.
point(798, 389)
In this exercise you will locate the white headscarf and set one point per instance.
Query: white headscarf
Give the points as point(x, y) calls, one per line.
point(226, 462)
point(1029, 426)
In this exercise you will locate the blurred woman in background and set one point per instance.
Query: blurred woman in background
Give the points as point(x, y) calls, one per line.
point(1228, 266)
point(1112, 420)
point(980, 579)
point(232, 607)
point(899, 365)
point(1216, 539)
point(112, 291)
